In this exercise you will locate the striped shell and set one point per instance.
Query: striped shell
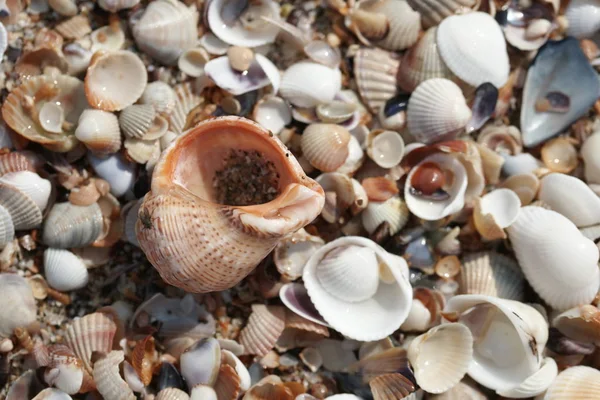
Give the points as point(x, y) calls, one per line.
point(186, 99)
point(491, 274)
point(93, 332)
point(99, 131)
point(228, 384)
point(64, 271)
point(108, 379)
point(17, 161)
point(68, 225)
point(7, 229)
point(172, 394)
point(404, 24)
point(325, 146)
point(265, 325)
point(434, 11)
point(375, 73)
point(581, 383)
point(25, 213)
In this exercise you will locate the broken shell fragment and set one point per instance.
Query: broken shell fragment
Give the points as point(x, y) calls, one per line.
point(108, 379)
point(19, 304)
point(91, 333)
point(265, 325)
point(491, 274)
point(292, 252)
point(494, 212)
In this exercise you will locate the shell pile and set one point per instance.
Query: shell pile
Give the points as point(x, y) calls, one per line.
point(299, 200)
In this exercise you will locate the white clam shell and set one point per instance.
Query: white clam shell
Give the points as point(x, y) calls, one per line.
point(52, 117)
point(117, 172)
point(116, 5)
point(495, 211)
point(99, 131)
point(437, 110)
point(213, 44)
point(536, 383)
point(261, 73)
point(589, 153)
point(159, 95)
point(570, 197)
point(434, 210)
point(68, 225)
point(109, 38)
point(386, 148)
point(381, 314)
point(272, 113)
point(200, 362)
point(392, 211)
point(579, 382)
point(18, 305)
point(558, 261)
point(35, 187)
point(441, 357)
point(238, 35)
point(191, 62)
point(434, 11)
point(583, 17)
point(64, 271)
point(472, 45)
point(166, 29)
point(308, 84)
point(24, 212)
point(7, 229)
point(375, 74)
point(509, 339)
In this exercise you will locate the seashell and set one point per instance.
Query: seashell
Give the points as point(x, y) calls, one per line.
point(7, 229)
point(556, 64)
point(23, 210)
point(19, 308)
point(213, 44)
point(18, 161)
point(375, 73)
point(52, 394)
point(262, 72)
point(99, 131)
point(501, 139)
point(544, 257)
point(525, 186)
point(186, 99)
point(64, 271)
point(136, 120)
point(335, 112)
point(295, 297)
point(114, 6)
point(65, 370)
point(389, 361)
point(559, 155)
point(108, 38)
point(583, 18)
point(494, 212)
point(436, 111)
point(325, 146)
point(458, 35)
point(501, 364)
point(483, 106)
point(588, 154)
point(243, 26)
point(320, 51)
point(108, 380)
point(91, 333)
point(75, 27)
point(117, 172)
point(491, 274)
point(577, 382)
point(336, 277)
point(131, 378)
point(491, 163)
point(240, 58)
point(389, 387)
point(52, 117)
point(386, 148)
point(3, 39)
point(129, 214)
point(422, 62)
point(426, 174)
point(160, 96)
point(570, 197)
point(308, 84)
point(166, 29)
point(434, 11)
point(78, 56)
point(228, 384)
point(200, 362)
point(191, 62)
point(451, 346)
point(536, 383)
point(265, 325)
point(21, 109)
point(311, 357)
point(272, 113)
point(141, 151)
point(172, 394)
point(160, 244)
point(31, 184)
point(355, 159)
point(203, 392)
point(68, 225)
point(579, 323)
point(104, 91)
point(291, 253)
point(379, 188)
point(239, 369)
point(393, 211)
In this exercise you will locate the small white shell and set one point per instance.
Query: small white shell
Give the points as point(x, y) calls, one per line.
point(142, 151)
point(579, 382)
point(436, 111)
point(291, 254)
point(523, 163)
point(68, 225)
point(115, 80)
point(386, 148)
point(473, 46)
point(495, 211)
point(583, 17)
point(24, 212)
point(18, 304)
point(64, 271)
point(159, 95)
point(108, 38)
point(191, 62)
point(536, 383)
point(308, 84)
point(558, 261)
point(52, 117)
point(118, 173)
point(272, 113)
point(261, 73)
point(108, 379)
point(392, 211)
point(99, 131)
point(35, 187)
point(375, 73)
point(213, 44)
point(441, 357)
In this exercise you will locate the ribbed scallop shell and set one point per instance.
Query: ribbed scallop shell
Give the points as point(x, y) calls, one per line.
point(473, 47)
point(16, 161)
point(24, 212)
point(172, 394)
point(422, 62)
point(186, 99)
point(583, 17)
point(441, 357)
point(581, 383)
point(63, 89)
point(136, 120)
point(325, 146)
point(558, 261)
point(295, 321)
point(264, 326)
point(115, 80)
point(65, 369)
point(404, 23)
point(581, 323)
point(228, 383)
point(308, 84)
point(166, 29)
point(64, 271)
point(68, 225)
point(437, 110)
point(35, 187)
point(375, 73)
point(491, 274)
point(391, 387)
point(108, 378)
point(75, 27)
point(161, 96)
point(93, 332)
point(393, 211)
point(99, 131)
point(434, 11)
point(7, 229)
point(142, 151)
point(18, 304)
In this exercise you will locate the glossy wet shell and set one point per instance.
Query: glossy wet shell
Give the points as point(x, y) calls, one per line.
point(68, 225)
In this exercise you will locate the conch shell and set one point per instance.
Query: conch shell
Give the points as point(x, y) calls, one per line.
point(223, 194)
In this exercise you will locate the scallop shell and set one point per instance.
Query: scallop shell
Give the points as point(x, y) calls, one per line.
point(466, 389)
point(291, 253)
point(434, 11)
point(389, 387)
point(64, 90)
point(240, 370)
point(172, 394)
point(583, 17)
point(381, 303)
point(75, 27)
point(18, 161)
point(491, 274)
point(31, 184)
point(375, 73)
point(570, 197)
point(160, 96)
point(68, 225)
point(581, 383)
point(404, 23)
point(19, 308)
point(136, 120)
point(536, 383)
point(91, 333)
point(436, 111)
point(494, 212)
point(114, 6)
point(272, 113)
point(7, 229)
point(64, 370)
point(265, 325)
point(115, 80)
point(580, 323)
point(186, 99)
point(108, 379)
point(142, 151)
point(117, 172)
point(64, 271)
point(441, 357)
point(23, 210)
point(473, 47)
point(166, 29)
point(228, 382)
point(308, 84)
point(99, 131)
point(558, 261)
point(200, 362)
point(325, 146)
point(393, 211)
point(242, 230)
